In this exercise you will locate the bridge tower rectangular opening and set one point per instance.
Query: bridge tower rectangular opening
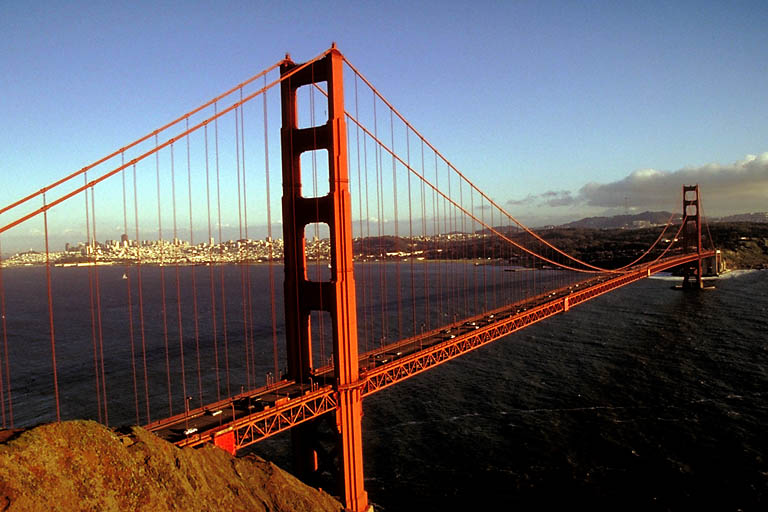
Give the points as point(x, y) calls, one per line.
point(336, 295)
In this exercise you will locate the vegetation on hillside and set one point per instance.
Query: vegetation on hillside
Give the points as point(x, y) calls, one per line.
point(744, 245)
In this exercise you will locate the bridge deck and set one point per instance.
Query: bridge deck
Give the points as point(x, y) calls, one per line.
point(257, 414)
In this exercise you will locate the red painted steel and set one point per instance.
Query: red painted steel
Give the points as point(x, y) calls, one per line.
point(692, 233)
point(336, 296)
point(296, 408)
point(278, 415)
point(226, 441)
point(503, 324)
point(307, 394)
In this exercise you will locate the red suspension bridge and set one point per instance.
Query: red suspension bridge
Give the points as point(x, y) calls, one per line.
point(161, 292)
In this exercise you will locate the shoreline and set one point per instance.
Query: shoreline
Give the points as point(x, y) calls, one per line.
point(5, 264)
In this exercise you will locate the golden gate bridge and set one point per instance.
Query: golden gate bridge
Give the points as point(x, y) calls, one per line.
point(391, 262)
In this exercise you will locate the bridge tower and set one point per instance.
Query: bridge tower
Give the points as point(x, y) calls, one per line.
point(691, 235)
point(336, 296)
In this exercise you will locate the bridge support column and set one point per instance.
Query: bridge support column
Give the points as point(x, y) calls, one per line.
point(691, 234)
point(336, 296)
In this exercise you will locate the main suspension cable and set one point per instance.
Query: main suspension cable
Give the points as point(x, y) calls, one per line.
point(461, 175)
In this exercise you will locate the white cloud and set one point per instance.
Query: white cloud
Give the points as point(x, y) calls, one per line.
point(551, 198)
point(741, 186)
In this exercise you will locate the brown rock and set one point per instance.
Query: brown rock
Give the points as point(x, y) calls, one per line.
point(82, 465)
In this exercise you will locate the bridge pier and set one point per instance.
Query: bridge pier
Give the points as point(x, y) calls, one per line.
point(336, 296)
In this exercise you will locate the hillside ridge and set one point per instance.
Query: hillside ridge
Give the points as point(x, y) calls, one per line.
point(83, 465)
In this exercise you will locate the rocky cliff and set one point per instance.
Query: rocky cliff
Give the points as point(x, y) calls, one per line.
point(82, 465)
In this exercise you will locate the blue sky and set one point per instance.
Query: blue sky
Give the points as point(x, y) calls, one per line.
point(532, 100)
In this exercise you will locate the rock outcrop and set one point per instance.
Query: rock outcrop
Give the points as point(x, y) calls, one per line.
point(82, 465)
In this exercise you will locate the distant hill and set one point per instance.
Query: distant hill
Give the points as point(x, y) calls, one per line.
point(744, 217)
point(648, 219)
point(640, 220)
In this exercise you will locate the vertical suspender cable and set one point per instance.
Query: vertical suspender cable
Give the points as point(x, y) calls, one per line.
point(211, 262)
point(425, 246)
point(270, 240)
point(474, 252)
point(249, 298)
point(369, 270)
point(438, 255)
point(447, 267)
point(129, 300)
point(397, 232)
point(50, 313)
point(495, 268)
point(382, 246)
point(485, 259)
point(90, 249)
point(221, 268)
point(194, 277)
point(411, 244)
point(5, 389)
point(163, 309)
point(98, 310)
point(237, 172)
point(465, 240)
point(178, 282)
point(364, 285)
point(241, 261)
point(132, 335)
point(140, 286)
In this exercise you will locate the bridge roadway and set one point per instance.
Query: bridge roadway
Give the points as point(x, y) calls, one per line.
point(254, 415)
